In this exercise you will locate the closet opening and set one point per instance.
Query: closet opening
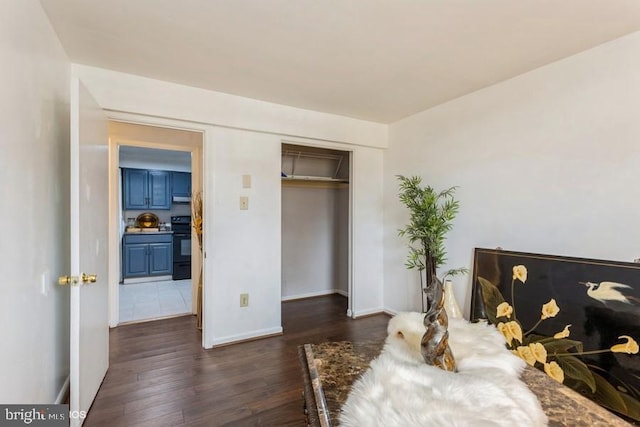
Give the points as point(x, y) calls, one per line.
point(316, 200)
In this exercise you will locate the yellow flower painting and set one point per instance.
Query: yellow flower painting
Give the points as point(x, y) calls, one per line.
point(520, 273)
point(550, 309)
point(544, 342)
point(630, 347)
point(511, 331)
point(563, 333)
point(554, 371)
point(524, 352)
point(504, 310)
point(539, 352)
point(514, 330)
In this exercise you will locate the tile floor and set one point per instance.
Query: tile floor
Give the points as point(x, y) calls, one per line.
point(152, 300)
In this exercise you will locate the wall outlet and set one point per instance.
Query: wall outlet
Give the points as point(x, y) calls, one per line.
point(244, 203)
point(244, 300)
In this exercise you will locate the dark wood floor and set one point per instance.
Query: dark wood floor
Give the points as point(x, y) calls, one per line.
point(159, 375)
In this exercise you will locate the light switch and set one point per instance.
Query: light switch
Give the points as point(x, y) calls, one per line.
point(246, 181)
point(244, 203)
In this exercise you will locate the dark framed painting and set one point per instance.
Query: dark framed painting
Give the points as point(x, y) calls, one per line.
point(577, 319)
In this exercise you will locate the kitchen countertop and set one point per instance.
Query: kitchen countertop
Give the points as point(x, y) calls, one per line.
point(330, 368)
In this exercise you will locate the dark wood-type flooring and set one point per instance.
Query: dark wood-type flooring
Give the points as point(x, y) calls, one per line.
point(160, 375)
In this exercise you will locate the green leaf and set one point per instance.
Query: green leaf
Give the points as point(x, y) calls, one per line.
point(491, 297)
point(562, 345)
point(575, 368)
point(607, 396)
point(633, 406)
point(431, 214)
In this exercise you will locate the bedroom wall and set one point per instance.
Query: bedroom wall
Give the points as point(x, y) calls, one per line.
point(34, 134)
point(546, 162)
point(243, 136)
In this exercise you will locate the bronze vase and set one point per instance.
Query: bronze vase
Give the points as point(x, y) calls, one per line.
point(434, 345)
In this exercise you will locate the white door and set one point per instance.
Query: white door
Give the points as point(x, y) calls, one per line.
point(89, 358)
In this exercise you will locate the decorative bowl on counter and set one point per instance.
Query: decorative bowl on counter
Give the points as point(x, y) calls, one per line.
point(147, 220)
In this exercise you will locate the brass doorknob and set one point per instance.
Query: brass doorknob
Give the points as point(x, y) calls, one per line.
point(89, 278)
point(67, 280)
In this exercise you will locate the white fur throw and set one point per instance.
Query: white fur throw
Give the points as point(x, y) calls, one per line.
point(400, 390)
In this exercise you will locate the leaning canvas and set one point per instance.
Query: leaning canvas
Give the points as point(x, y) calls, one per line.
point(577, 319)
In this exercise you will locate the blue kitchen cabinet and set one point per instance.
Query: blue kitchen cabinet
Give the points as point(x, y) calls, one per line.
point(160, 259)
point(146, 189)
point(147, 255)
point(136, 260)
point(135, 184)
point(181, 182)
point(159, 190)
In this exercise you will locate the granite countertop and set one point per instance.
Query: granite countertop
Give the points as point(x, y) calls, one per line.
point(339, 364)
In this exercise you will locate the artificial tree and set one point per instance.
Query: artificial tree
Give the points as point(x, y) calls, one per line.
point(431, 216)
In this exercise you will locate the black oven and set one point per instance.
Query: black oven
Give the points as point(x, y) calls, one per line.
point(181, 227)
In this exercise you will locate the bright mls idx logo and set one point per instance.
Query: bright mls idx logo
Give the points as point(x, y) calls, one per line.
point(34, 415)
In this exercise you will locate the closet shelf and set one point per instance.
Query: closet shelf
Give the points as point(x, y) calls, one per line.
point(314, 182)
point(312, 165)
point(313, 178)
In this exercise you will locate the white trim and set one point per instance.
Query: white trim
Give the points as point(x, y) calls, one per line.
point(368, 312)
point(341, 292)
point(315, 294)
point(197, 170)
point(74, 298)
point(63, 392)
point(146, 279)
point(261, 333)
point(391, 312)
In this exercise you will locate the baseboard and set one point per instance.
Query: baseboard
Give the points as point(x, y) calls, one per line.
point(64, 392)
point(315, 294)
point(249, 336)
point(391, 312)
point(369, 312)
point(146, 279)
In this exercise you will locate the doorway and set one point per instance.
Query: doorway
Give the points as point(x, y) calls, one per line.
point(316, 228)
point(153, 172)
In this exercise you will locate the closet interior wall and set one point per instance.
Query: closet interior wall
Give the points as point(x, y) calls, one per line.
point(315, 222)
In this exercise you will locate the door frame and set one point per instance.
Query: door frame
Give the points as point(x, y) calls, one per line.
point(115, 198)
point(347, 149)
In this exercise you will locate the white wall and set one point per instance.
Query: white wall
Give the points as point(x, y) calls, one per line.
point(134, 94)
point(34, 133)
point(243, 136)
point(242, 246)
point(367, 230)
point(546, 162)
point(314, 240)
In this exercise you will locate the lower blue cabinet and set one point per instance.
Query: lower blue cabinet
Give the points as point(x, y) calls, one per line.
point(147, 255)
point(160, 260)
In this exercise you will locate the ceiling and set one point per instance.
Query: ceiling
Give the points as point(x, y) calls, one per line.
point(369, 59)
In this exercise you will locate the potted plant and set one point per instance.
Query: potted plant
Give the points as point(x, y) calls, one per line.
point(431, 217)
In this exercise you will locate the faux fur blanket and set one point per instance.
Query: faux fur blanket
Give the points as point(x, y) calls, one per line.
point(399, 389)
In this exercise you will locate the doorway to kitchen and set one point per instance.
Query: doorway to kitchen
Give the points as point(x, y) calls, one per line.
point(156, 173)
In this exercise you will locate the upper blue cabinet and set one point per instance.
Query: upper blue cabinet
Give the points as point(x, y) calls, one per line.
point(181, 182)
point(146, 189)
